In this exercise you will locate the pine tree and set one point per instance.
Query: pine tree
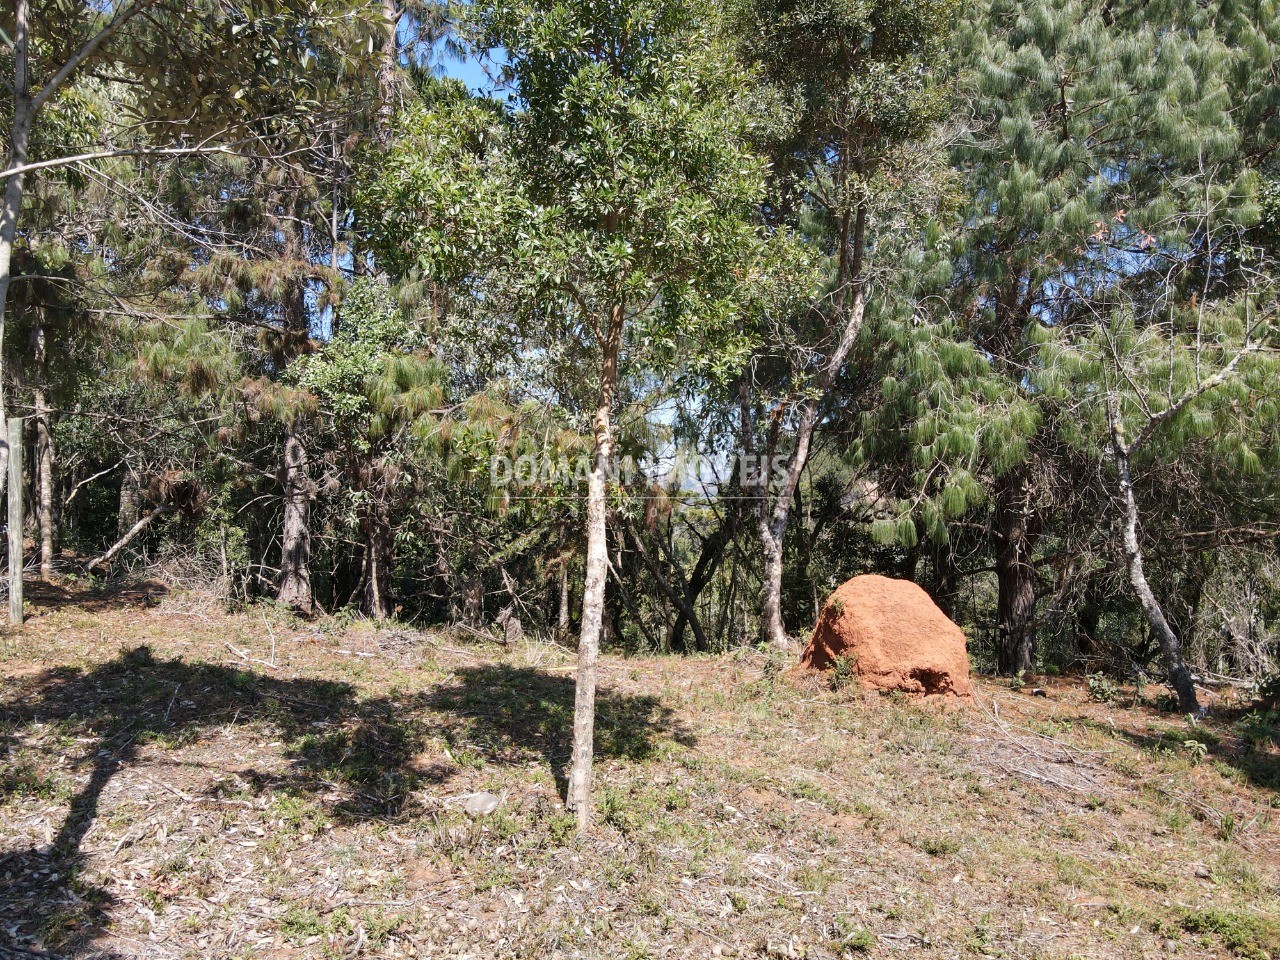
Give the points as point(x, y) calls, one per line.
point(1092, 123)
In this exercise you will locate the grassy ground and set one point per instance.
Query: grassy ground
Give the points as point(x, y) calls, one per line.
point(184, 783)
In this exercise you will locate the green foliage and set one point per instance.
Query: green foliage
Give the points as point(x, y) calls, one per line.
point(1101, 688)
point(375, 377)
point(844, 672)
point(1243, 934)
point(637, 190)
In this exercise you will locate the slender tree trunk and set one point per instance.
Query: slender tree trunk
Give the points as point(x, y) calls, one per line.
point(1170, 645)
point(773, 629)
point(130, 502)
point(295, 559)
point(46, 499)
point(46, 463)
point(1015, 576)
point(852, 305)
point(564, 597)
point(944, 578)
point(679, 598)
point(773, 524)
point(578, 798)
point(713, 550)
point(1089, 618)
point(378, 542)
point(11, 209)
point(389, 69)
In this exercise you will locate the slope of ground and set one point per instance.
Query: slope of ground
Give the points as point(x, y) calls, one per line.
point(179, 782)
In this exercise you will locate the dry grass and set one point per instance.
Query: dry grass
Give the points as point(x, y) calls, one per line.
point(173, 788)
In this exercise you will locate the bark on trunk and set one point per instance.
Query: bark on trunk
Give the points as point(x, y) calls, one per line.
point(1015, 577)
point(388, 69)
point(944, 578)
point(564, 597)
point(773, 630)
point(130, 502)
point(578, 795)
point(295, 559)
point(1170, 645)
point(11, 209)
point(713, 550)
point(377, 601)
point(773, 523)
point(46, 499)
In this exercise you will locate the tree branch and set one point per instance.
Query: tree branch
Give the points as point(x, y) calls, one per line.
point(87, 50)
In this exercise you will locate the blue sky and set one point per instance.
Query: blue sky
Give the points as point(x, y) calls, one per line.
point(470, 71)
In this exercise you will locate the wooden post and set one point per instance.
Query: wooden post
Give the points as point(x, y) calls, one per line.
point(15, 520)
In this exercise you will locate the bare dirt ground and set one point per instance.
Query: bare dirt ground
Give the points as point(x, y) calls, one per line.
point(179, 782)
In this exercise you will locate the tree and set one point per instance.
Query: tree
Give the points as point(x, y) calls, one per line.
point(384, 397)
point(637, 194)
point(1089, 127)
point(189, 79)
point(861, 85)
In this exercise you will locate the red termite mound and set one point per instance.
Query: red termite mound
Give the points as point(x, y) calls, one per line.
point(895, 637)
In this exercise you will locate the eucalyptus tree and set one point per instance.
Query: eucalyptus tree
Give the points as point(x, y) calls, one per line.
point(861, 85)
point(1145, 393)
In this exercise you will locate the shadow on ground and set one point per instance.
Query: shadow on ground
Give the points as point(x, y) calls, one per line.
point(514, 714)
point(56, 595)
point(358, 756)
point(1245, 739)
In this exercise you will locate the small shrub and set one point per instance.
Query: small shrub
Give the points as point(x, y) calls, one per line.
point(850, 937)
point(1198, 749)
point(844, 672)
point(1102, 689)
point(938, 846)
point(1269, 691)
point(561, 828)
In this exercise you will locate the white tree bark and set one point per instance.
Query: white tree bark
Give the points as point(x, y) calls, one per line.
point(578, 797)
point(1170, 645)
point(773, 522)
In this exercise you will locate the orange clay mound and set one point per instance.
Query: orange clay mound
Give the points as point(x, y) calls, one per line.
point(895, 635)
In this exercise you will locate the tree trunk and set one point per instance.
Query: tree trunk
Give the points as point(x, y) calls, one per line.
point(130, 502)
point(47, 500)
point(377, 602)
point(46, 497)
point(578, 796)
point(295, 558)
point(1015, 576)
point(772, 628)
point(773, 524)
point(944, 578)
point(1170, 645)
point(11, 209)
point(713, 550)
point(679, 598)
point(388, 69)
point(1089, 618)
point(564, 597)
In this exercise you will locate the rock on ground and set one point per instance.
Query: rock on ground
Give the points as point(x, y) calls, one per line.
point(895, 637)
